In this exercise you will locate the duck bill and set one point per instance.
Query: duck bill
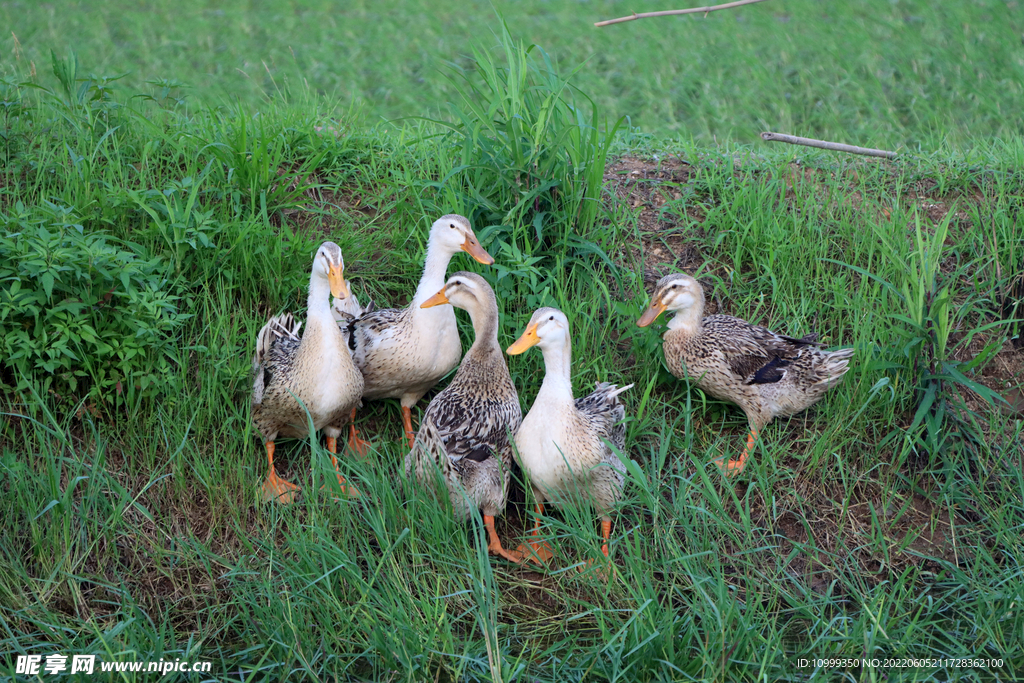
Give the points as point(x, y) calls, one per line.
point(472, 247)
point(651, 314)
point(528, 339)
point(435, 300)
point(336, 278)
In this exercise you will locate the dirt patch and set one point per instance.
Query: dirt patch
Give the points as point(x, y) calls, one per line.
point(815, 531)
point(323, 207)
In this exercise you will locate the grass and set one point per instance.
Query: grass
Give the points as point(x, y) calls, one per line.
point(876, 525)
point(907, 74)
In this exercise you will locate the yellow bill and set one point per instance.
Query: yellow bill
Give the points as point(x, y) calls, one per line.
point(651, 314)
point(528, 339)
point(435, 300)
point(336, 277)
point(473, 248)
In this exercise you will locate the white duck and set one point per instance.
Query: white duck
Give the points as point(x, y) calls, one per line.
point(315, 368)
point(563, 442)
point(403, 352)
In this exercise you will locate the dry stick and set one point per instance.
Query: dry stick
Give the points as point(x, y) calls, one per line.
point(667, 13)
point(822, 144)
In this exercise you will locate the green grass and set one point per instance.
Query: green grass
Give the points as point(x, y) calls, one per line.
point(888, 74)
point(867, 527)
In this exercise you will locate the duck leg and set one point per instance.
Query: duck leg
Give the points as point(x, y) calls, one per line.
point(275, 488)
point(494, 544)
point(346, 488)
point(354, 442)
point(535, 550)
point(731, 468)
point(407, 423)
point(606, 532)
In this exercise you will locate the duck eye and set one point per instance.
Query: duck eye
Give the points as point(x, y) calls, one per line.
point(452, 226)
point(551, 318)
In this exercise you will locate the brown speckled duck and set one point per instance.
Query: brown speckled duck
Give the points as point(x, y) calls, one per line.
point(466, 430)
point(316, 369)
point(764, 373)
point(563, 442)
point(403, 352)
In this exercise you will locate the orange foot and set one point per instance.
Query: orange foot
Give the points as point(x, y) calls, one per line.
point(730, 468)
point(277, 489)
point(346, 488)
point(510, 555)
point(407, 426)
point(539, 553)
point(494, 546)
point(601, 563)
point(358, 445)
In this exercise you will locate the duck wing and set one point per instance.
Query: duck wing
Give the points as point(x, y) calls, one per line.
point(276, 345)
point(472, 427)
point(603, 410)
point(371, 329)
point(348, 309)
point(755, 353)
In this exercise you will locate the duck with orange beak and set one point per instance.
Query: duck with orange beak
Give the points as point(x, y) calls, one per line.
point(466, 430)
point(313, 372)
point(565, 445)
point(764, 373)
point(404, 352)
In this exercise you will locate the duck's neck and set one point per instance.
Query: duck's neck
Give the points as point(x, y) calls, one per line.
point(434, 270)
point(687, 321)
point(557, 385)
point(318, 310)
point(485, 330)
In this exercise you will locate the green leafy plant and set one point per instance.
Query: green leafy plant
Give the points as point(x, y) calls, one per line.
point(260, 160)
point(81, 316)
point(176, 218)
point(529, 151)
point(927, 316)
point(85, 102)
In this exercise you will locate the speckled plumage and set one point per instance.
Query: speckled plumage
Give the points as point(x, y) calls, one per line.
point(766, 374)
point(348, 309)
point(400, 358)
point(283, 367)
point(466, 428)
point(402, 353)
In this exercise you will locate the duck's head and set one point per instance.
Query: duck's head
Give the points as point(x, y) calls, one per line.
point(547, 328)
point(467, 291)
point(329, 265)
point(677, 292)
point(453, 234)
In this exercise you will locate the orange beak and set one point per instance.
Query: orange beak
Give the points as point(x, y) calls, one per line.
point(436, 300)
point(528, 339)
point(473, 248)
point(336, 279)
point(651, 314)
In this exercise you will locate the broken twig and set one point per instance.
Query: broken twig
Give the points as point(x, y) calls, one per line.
point(822, 144)
point(670, 12)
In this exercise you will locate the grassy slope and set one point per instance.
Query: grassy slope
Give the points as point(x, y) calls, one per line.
point(882, 74)
point(136, 534)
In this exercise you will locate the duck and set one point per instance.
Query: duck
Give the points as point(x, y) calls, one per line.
point(765, 373)
point(568, 445)
point(314, 368)
point(403, 352)
point(347, 308)
point(466, 429)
